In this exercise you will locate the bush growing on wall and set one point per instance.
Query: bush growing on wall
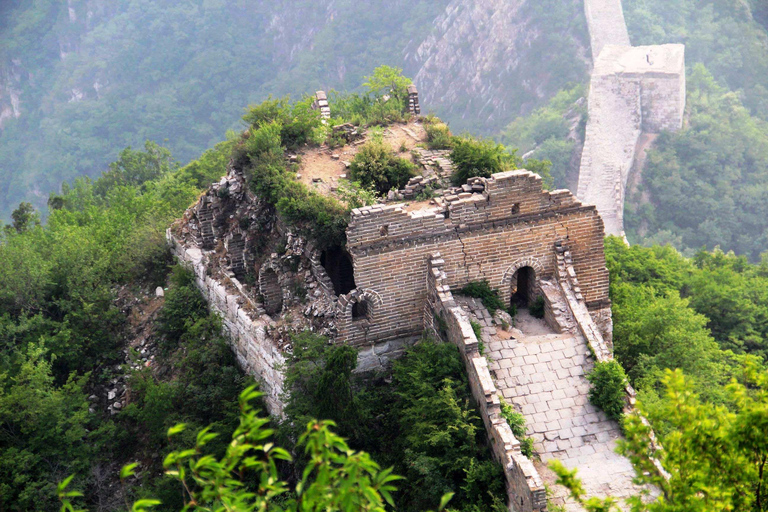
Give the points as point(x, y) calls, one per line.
point(474, 157)
point(262, 153)
point(608, 388)
point(377, 165)
point(536, 308)
point(483, 291)
point(438, 134)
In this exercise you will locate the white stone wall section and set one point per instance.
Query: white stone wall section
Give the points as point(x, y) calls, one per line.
point(633, 90)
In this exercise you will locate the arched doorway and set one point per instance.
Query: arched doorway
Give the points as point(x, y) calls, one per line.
point(523, 284)
point(338, 264)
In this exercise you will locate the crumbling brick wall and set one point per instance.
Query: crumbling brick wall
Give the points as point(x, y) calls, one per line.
point(483, 236)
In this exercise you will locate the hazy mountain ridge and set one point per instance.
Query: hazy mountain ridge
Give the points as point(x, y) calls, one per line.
point(95, 76)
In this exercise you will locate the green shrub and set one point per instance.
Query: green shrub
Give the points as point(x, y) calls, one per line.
point(366, 110)
point(438, 135)
point(478, 330)
point(516, 422)
point(536, 308)
point(298, 123)
point(377, 166)
point(608, 388)
point(183, 306)
point(482, 158)
point(483, 291)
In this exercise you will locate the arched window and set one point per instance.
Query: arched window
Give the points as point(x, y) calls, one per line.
point(361, 310)
point(338, 263)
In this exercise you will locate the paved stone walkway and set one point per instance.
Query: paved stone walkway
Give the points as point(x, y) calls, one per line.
point(543, 374)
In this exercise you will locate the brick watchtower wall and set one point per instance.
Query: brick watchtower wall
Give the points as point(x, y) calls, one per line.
point(486, 236)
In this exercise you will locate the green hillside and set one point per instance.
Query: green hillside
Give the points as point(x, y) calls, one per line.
point(95, 76)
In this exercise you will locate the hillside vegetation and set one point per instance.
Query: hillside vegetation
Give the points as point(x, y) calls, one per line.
point(94, 76)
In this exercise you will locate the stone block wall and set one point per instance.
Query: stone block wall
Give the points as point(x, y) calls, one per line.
point(663, 101)
point(486, 236)
point(605, 19)
point(633, 90)
point(525, 488)
point(243, 322)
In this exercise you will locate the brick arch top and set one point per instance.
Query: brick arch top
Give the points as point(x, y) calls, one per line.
point(529, 261)
point(359, 295)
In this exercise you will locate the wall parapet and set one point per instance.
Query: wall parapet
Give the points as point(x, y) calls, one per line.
point(525, 487)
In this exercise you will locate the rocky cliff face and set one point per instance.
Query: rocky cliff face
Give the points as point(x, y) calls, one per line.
point(10, 95)
point(488, 61)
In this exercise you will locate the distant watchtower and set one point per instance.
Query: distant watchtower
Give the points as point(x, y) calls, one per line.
point(634, 90)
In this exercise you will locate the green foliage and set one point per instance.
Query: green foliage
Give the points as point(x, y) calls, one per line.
point(478, 330)
point(44, 424)
point(482, 290)
point(376, 165)
point(183, 306)
point(707, 183)
point(61, 331)
point(714, 457)
point(319, 379)
point(545, 133)
point(536, 307)
point(655, 328)
point(608, 388)
point(438, 135)
point(355, 195)
point(478, 158)
point(24, 218)
point(516, 422)
point(388, 80)
point(298, 123)
point(365, 110)
point(336, 478)
point(318, 216)
point(135, 168)
point(421, 421)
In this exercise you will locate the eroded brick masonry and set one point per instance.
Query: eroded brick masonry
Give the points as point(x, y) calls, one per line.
point(490, 235)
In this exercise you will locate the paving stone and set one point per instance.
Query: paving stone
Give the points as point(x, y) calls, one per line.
point(531, 359)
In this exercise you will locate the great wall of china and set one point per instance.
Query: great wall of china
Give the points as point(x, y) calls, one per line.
point(634, 91)
point(403, 263)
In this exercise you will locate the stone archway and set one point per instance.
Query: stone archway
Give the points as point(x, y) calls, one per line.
point(360, 304)
point(522, 286)
point(519, 282)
